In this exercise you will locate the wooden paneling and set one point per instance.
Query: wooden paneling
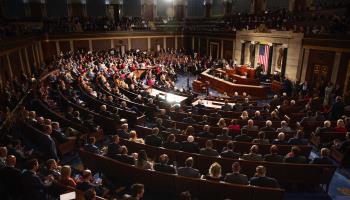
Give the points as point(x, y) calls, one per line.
point(185, 42)
point(49, 49)
point(64, 46)
point(101, 44)
point(170, 43)
point(121, 42)
point(15, 63)
point(228, 49)
point(81, 44)
point(343, 68)
point(203, 46)
point(155, 42)
point(320, 58)
point(4, 72)
point(139, 43)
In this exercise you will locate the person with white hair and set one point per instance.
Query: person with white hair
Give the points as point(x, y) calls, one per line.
point(280, 139)
point(284, 127)
point(190, 145)
point(325, 129)
point(268, 126)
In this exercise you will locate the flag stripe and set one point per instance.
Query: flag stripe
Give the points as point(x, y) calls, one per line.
point(264, 52)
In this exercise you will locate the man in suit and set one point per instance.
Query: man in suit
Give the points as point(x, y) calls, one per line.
point(280, 139)
point(154, 139)
point(86, 183)
point(324, 159)
point(48, 145)
point(189, 119)
point(204, 120)
point(243, 137)
point(58, 134)
point(9, 177)
point(163, 166)
point(226, 106)
point(260, 179)
point(228, 151)
point(236, 177)
point(32, 186)
point(250, 126)
point(113, 148)
point(137, 191)
point(253, 154)
point(91, 147)
point(208, 150)
point(124, 131)
point(325, 129)
point(173, 129)
point(273, 156)
point(3, 156)
point(337, 109)
point(124, 157)
point(171, 143)
point(297, 139)
point(295, 157)
point(284, 127)
point(268, 126)
point(188, 170)
point(224, 135)
point(257, 116)
point(189, 145)
point(206, 132)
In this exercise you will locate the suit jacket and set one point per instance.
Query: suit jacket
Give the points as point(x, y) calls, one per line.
point(188, 172)
point(253, 128)
point(189, 120)
point(153, 140)
point(48, 147)
point(296, 159)
point(190, 147)
point(264, 182)
point(323, 130)
point(223, 137)
point(113, 149)
point(9, 177)
point(172, 145)
point(297, 141)
point(243, 138)
point(123, 134)
point(32, 186)
point(208, 152)
point(164, 168)
point(252, 156)
point(174, 130)
point(236, 178)
point(322, 161)
point(206, 134)
point(276, 141)
point(267, 129)
point(273, 158)
point(125, 159)
point(59, 136)
point(92, 148)
point(229, 154)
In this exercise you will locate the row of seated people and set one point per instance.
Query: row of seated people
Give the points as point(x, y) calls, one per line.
point(31, 180)
point(140, 159)
point(191, 146)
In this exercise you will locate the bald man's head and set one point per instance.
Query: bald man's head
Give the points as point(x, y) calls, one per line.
point(11, 160)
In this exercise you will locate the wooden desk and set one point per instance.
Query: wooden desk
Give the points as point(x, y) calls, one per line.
point(230, 88)
point(240, 79)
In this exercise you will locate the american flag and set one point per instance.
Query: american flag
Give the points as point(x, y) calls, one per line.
point(264, 52)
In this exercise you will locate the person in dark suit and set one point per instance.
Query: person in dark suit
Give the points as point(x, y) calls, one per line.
point(58, 134)
point(337, 109)
point(257, 116)
point(345, 145)
point(208, 150)
point(48, 145)
point(9, 177)
point(173, 129)
point(325, 129)
point(224, 135)
point(124, 131)
point(226, 106)
point(69, 113)
point(76, 117)
point(204, 120)
point(260, 179)
point(206, 132)
point(295, 157)
point(236, 177)
point(87, 184)
point(91, 147)
point(159, 124)
point(171, 143)
point(32, 186)
point(189, 145)
point(273, 156)
point(188, 170)
point(137, 190)
point(124, 157)
point(243, 137)
point(297, 139)
point(113, 148)
point(154, 139)
point(253, 155)
point(228, 152)
point(280, 139)
point(268, 126)
point(324, 159)
point(90, 124)
point(189, 119)
point(163, 166)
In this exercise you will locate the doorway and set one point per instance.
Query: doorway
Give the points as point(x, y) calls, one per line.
point(320, 76)
point(214, 50)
